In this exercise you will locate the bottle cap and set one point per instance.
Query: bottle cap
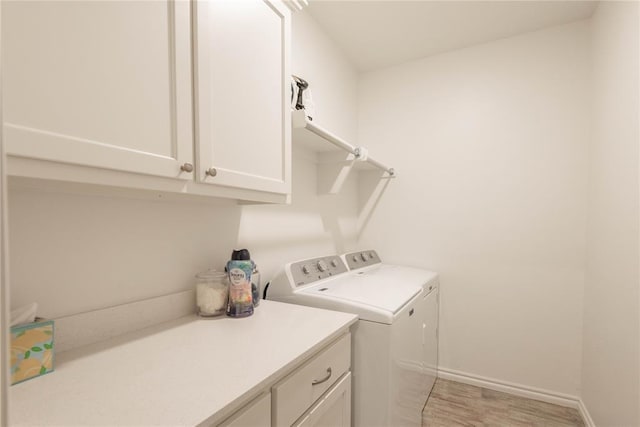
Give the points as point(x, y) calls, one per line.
point(240, 255)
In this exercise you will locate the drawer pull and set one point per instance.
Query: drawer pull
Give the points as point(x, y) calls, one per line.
point(316, 382)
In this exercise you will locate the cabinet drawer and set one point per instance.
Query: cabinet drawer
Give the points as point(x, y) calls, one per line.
point(297, 392)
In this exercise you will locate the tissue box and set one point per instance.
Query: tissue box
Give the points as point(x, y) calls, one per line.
point(31, 350)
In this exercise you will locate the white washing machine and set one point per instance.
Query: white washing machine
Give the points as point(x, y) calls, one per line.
point(395, 342)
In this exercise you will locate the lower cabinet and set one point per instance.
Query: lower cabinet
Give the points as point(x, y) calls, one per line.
point(317, 393)
point(334, 409)
point(255, 414)
point(299, 391)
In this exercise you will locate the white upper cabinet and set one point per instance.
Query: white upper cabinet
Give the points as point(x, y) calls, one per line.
point(242, 94)
point(103, 92)
point(105, 84)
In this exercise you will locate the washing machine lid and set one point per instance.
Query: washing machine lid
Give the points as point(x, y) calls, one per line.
point(397, 273)
point(376, 292)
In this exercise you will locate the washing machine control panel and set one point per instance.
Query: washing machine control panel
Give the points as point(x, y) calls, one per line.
point(356, 260)
point(314, 269)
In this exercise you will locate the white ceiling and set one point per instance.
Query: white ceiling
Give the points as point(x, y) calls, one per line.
point(376, 34)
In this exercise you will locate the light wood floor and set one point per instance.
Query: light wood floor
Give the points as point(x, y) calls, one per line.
point(454, 404)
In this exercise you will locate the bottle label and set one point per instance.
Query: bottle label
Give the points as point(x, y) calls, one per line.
point(240, 289)
point(237, 276)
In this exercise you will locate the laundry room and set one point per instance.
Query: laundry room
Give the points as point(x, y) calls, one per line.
point(439, 202)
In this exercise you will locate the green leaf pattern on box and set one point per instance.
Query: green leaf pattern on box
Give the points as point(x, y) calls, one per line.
point(31, 350)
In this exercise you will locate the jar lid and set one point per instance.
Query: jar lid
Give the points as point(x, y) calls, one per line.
point(211, 274)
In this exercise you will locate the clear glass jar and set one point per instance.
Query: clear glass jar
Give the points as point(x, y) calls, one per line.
point(212, 292)
point(255, 286)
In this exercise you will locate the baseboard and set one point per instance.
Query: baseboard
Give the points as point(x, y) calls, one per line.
point(515, 389)
point(586, 417)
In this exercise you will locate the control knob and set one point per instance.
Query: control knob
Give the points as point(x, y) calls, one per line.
point(334, 263)
point(306, 269)
point(322, 266)
point(363, 256)
point(355, 258)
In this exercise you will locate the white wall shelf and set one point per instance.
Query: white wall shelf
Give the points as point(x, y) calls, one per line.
point(336, 157)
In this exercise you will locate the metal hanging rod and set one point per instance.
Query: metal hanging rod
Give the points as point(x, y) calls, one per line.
point(331, 138)
point(362, 156)
point(360, 153)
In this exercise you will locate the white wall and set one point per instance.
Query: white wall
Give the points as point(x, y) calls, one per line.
point(490, 145)
point(313, 225)
point(333, 81)
point(72, 253)
point(611, 355)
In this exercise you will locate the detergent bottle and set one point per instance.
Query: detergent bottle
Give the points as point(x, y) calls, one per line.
point(239, 269)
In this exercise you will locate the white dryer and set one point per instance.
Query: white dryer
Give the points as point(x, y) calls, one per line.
point(395, 341)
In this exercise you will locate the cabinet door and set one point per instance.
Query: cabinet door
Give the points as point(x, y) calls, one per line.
point(255, 414)
point(242, 88)
point(104, 84)
point(333, 410)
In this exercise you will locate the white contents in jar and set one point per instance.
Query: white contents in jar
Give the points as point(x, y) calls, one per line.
point(211, 299)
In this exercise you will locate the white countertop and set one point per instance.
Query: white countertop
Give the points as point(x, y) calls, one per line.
point(183, 372)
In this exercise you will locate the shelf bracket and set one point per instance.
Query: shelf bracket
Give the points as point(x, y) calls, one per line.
point(336, 157)
point(334, 167)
